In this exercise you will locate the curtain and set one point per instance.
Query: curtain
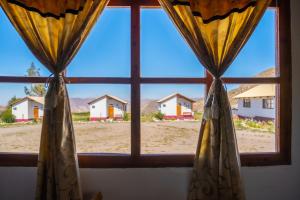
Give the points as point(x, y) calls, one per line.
point(216, 30)
point(54, 31)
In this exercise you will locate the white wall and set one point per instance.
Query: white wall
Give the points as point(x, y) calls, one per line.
point(31, 105)
point(262, 183)
point(20, 110)
point(98, 109)
point(118, 107)
point(170, 108)
point(256, 109)
point(186, 106)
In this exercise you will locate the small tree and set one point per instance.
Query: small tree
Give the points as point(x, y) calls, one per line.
point(12, 101)
point(7, 116)
point(126, 116)
point(159, 116)
point(35, 89)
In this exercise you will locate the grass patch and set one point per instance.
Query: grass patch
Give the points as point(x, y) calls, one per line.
point(81, 117)
point(247, 124)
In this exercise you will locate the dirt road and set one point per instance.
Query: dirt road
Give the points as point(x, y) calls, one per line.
point(157, 137)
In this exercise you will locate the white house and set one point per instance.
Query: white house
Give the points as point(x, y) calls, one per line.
point(28, 108)
point(257, 103)
point(176, 106)
point(107, 107)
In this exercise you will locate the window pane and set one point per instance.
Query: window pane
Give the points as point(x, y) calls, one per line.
point(15, 57)
point(255, 124)
point(106, 51)
point(21, 119)
point(170, 116)
point(101, 117)
point(164, 53)
point(258, 57)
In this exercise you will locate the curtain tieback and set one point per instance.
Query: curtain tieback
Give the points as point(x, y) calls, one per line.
point(212, 104)
point(55, 82)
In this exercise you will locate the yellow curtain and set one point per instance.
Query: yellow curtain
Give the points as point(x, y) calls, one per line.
point(216, 30)
point(54, 31)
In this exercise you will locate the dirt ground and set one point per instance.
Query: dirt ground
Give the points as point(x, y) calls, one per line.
point(157, 137)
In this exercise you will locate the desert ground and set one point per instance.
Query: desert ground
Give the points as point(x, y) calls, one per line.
point(157, 137)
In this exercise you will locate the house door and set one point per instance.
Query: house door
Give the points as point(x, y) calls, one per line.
point(36, 112)
point(178, 109)
point(110, 111)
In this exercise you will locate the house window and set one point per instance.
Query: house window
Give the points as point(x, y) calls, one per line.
point(247, 103)
point(268, 103)
point(93, 107)
point(15, 108)
point(164, 105)
point(147, 62)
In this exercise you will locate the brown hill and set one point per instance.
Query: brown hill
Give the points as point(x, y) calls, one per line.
point(244, 87)
point(198, 106)
point(2, 108)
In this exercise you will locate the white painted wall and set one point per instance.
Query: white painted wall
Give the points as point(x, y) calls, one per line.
point(31, 105)
point(262, 183)
point(170, 107)
point(20, 110)
point(98, 109)
point(256, 109)
point(186, 105)
point(118, 107)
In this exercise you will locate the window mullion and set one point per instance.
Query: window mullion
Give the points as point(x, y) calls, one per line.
point(135, 81)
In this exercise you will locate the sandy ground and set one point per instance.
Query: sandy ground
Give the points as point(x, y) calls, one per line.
point(157, 137)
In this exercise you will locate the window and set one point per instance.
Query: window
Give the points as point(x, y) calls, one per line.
point(268, 103)
point(247, 103)
point(143, 77)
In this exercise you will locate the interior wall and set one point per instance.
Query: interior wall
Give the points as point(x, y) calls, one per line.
point(276, 183)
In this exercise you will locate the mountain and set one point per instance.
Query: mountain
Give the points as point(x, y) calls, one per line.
point(2, 108)
point(80, 104)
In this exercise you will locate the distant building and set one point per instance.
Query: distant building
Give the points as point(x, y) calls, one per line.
point(107, 107)
point(176, 106)
point(257, 103)
point(28, 108)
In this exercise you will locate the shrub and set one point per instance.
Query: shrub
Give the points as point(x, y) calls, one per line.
point(126, 117)
point(159, 116)
point(7, 116)
point(82, 117)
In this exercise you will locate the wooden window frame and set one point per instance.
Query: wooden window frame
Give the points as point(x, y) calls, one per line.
point(94, 160)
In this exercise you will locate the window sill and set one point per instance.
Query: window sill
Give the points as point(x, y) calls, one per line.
point(89, 160)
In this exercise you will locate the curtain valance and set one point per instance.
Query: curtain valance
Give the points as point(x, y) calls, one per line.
point(210, 10)
point(52, 8)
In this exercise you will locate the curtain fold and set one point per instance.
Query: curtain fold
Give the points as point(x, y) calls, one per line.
point(54, 32)
point(216, 30)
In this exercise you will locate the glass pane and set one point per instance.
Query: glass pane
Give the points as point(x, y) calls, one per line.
point(170, 116)
point(20, 119)
point(164, 53)
point(106, 51)
point(15, 57)
point(258, 57)
point(254, 112)
point(101, 117)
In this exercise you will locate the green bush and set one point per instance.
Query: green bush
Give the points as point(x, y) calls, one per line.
point(126, 117)
point(83, 117)
point(198, 115)
point(159, 116)
point(7, 116)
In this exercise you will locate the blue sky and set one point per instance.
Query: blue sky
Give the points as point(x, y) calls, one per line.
point(106, 52)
